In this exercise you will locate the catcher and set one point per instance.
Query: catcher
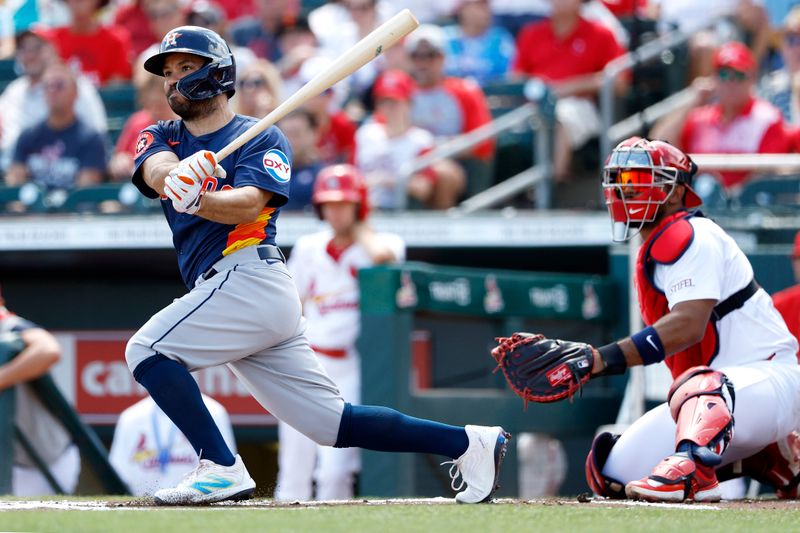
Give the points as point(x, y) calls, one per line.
point(731, 356)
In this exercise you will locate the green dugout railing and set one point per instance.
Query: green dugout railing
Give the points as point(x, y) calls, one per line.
point(396, 299)
point(93, 453)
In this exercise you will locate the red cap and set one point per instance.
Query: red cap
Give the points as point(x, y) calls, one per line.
point(394, 84)
point(735, 55)
point(796, 249)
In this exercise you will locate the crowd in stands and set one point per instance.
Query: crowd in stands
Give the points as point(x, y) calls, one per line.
point(742, 66)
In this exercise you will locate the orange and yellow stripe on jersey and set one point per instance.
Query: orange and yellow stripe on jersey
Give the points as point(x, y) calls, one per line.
point(249, 233)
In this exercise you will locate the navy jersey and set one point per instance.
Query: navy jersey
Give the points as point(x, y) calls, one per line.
point(264, 162)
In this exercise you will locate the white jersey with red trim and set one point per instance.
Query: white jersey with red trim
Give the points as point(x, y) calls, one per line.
point(714, 267)
point(328, 286)
point(381, 158)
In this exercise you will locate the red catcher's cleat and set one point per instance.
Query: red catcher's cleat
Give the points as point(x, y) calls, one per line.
point(675, 479)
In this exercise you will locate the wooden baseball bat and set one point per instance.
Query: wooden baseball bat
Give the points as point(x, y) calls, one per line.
point(353, 59)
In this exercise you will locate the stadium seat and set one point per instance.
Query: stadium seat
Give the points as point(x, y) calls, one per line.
point(711, 191)
point(120, 103)
point(31, 196)
point(88, 199)
point(777, 193)
point(8, 195)
point(515, 146)
point(8, 72)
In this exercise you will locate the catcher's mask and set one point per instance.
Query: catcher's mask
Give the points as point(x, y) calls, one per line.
point(341, 183)
point(638, 177)
point(217, 76)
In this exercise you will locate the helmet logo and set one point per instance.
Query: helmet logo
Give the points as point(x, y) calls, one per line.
point(277, 165)
point(171, 39)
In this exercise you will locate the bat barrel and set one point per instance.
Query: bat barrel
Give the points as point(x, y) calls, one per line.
point(361, 53)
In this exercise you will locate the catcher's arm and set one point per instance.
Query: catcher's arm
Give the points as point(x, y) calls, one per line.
point(545, 370)
point(682, 327)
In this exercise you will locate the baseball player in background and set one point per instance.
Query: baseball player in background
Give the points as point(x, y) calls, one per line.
point(325, 269)
point(45, 434)
point(242, 308)
point(735, 399)
point(150, 453)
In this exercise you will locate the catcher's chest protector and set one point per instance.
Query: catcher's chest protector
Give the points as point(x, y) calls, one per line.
point(666, 245)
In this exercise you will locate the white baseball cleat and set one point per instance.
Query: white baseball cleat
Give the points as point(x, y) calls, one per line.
point(209, 483)
point(479, 467)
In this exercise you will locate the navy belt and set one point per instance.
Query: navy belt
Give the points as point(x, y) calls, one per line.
point(266, 252)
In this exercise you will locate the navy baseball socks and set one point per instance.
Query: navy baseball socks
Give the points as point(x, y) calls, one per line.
point(477, 451)
point(219, 476)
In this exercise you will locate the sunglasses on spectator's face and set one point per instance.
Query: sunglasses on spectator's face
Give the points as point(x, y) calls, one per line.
point(156, 14)
point(792, 39)
point(424, 56)
point(729, 74)
point(54, 85)
point(254, 83)
point(360, 7)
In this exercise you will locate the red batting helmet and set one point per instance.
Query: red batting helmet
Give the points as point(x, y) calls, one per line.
point(341, 183)
point(638, 177)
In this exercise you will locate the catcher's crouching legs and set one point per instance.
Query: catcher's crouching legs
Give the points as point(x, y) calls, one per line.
point(699, 440)
point(601, 484)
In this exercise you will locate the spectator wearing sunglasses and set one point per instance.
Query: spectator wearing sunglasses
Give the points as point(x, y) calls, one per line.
point(736, 123)
point(448, 106)
point(62, 152)
point(258, 89)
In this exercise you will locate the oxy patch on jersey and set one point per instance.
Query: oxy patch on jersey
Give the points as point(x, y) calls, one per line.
point(277, 165)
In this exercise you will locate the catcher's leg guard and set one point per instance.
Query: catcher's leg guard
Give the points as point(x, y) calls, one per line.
point(777, 466)
point(701, 402)
point(601, 484)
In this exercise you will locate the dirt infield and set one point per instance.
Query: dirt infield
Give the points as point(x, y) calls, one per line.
point(145, 503)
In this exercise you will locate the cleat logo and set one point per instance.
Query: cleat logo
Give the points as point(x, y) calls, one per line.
point(211, 483)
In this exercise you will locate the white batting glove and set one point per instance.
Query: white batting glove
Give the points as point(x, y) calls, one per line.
point(200, 165)
point(184, 191)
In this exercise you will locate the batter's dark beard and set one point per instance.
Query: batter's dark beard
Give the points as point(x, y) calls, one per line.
point(189, 109)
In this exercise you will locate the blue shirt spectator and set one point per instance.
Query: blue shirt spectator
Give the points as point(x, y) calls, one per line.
point(476, 48)
point(55, 158)
point(302, 131)
point(61, 152)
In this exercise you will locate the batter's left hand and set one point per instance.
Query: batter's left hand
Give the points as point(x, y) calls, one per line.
point(184, 190)
point(201, 165)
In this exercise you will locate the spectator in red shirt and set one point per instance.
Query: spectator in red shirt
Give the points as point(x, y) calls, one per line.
point(102, 53)
point(787, 301)
point(569, 53)
point(448, 106)
point(389, 142)
point(337, 133)
point(737, 123)
point(133, 18)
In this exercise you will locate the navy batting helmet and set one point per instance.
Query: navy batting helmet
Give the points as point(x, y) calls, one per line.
point(217, 76)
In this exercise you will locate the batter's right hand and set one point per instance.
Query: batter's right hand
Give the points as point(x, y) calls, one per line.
point(185, 191)
point(201, 165)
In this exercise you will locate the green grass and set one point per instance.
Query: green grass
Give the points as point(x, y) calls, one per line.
point(496, 518)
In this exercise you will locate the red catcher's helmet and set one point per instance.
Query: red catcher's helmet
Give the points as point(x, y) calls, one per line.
point(638, 177)
point(341, 183)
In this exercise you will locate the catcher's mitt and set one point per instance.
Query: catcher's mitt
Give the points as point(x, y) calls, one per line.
point(543, 370)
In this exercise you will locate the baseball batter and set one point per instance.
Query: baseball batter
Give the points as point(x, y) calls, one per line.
point(242, 308)
point(325, 268)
